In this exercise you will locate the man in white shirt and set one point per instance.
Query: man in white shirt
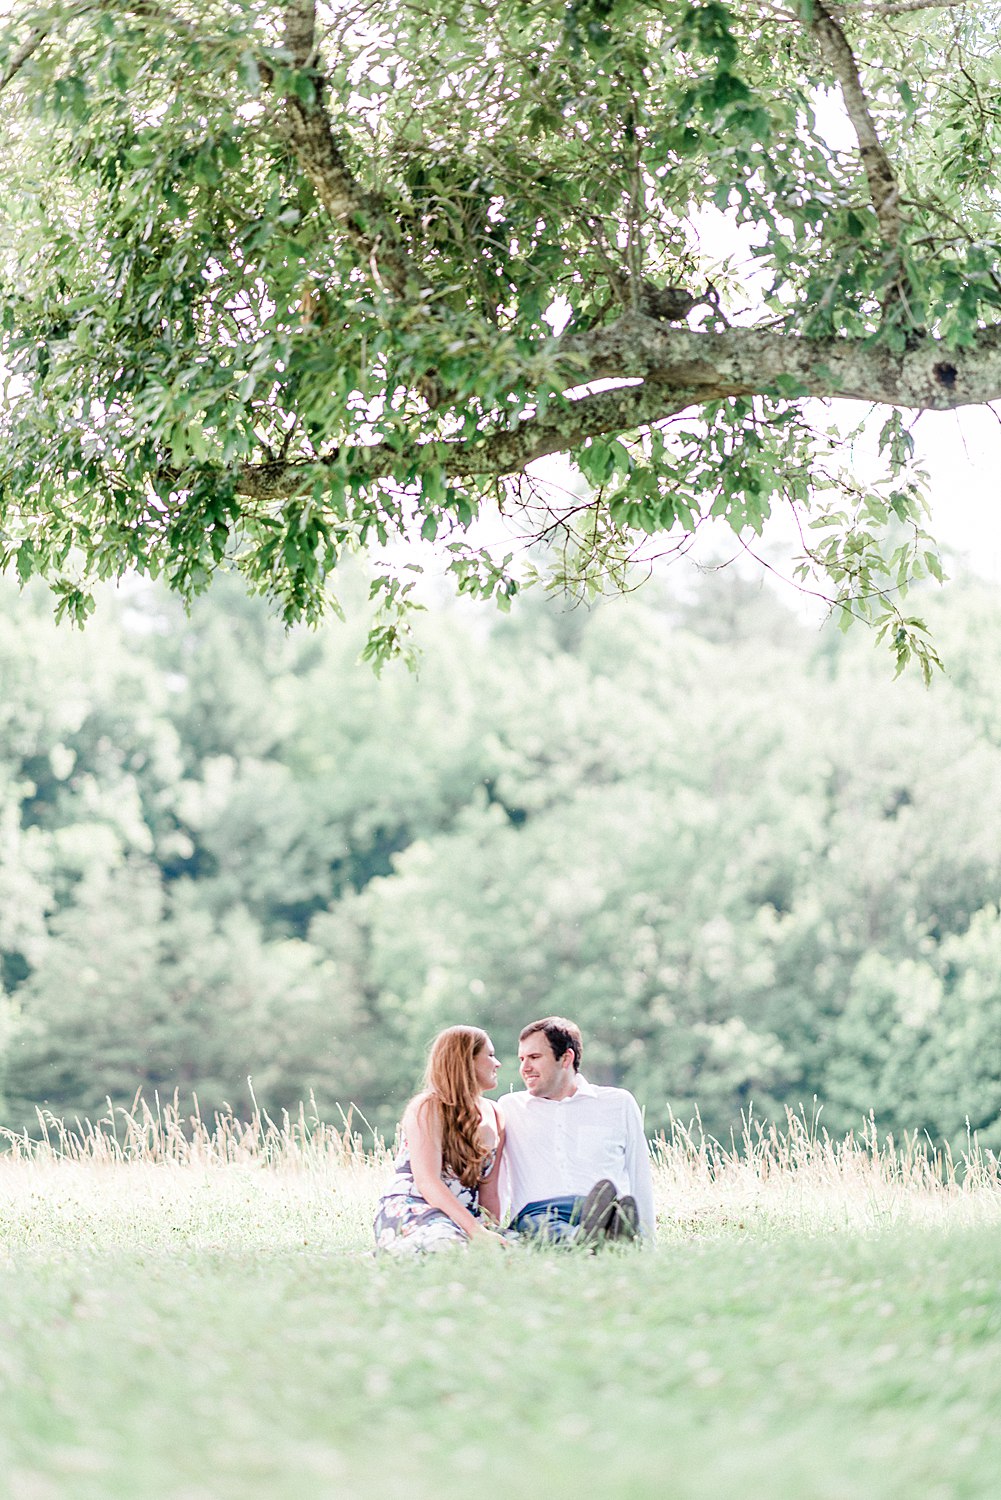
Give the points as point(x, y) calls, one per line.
point(576, 1162)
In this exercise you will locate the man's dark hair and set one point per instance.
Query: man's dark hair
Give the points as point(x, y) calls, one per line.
point(562, 1035)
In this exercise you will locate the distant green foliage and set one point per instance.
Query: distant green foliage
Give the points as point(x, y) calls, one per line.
point(712, 835)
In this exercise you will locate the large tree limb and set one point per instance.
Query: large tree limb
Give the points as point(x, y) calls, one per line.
point(741, 361)
point(883, 188)
point(495, 454)
point(678, 368)
point(892, 7)
point(300, 31)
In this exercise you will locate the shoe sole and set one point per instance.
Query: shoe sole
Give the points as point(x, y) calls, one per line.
point(625, 1222)
point(596, 1212)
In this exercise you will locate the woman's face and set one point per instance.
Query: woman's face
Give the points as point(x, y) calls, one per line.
point(486, 1067)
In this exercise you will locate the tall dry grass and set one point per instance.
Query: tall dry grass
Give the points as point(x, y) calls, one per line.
point(155, 1176)
point(323, 1179)
point(800, 1177)
point(164, 1133)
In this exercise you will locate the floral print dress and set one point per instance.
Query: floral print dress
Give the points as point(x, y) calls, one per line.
point(406, 1222)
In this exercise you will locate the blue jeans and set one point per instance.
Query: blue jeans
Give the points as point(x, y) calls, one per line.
point(551, 1219)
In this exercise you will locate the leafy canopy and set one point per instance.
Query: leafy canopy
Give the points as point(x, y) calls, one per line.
point(284, 280)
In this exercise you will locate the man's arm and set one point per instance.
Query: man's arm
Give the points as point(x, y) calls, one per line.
point(638, 1167)
point(506, 1184)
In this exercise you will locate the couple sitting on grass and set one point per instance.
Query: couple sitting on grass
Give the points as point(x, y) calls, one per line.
point(572, 1157)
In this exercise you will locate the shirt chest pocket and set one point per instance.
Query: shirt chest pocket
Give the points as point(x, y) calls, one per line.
point(602, 1149)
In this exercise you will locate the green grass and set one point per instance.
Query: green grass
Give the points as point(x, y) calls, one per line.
point(200, 1329)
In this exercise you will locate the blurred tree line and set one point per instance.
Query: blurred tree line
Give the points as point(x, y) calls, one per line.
point(754, 868)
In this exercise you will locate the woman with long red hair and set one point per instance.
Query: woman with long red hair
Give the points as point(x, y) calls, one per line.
point(446, 1171)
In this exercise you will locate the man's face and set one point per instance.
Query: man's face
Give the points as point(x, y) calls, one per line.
point(542, 1074)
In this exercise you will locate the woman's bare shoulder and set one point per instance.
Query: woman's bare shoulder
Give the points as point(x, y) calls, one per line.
point(419, 1110)
point(492, 1120)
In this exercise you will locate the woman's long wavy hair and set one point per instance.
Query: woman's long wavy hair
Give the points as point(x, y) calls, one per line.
point(453, 1091)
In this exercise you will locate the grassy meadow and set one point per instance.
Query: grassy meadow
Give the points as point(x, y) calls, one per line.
point(193, 1312)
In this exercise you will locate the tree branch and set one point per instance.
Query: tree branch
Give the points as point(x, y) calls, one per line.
point(883, 189)
point(891, 7)
point(679, 368)
point(305, 126)
point(493, 455)
point(742, 361)
point(146, 9)
point(18, 58)
point(300, 31)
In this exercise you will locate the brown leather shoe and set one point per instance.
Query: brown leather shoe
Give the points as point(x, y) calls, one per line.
point(596, 1213)
point(625, 1220)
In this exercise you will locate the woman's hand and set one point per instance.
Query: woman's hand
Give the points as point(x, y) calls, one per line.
point(481, 1235)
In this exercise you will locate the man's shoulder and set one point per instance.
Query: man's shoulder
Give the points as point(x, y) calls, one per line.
point(614, 1102)
point(517, 1103)
point(612, 1092)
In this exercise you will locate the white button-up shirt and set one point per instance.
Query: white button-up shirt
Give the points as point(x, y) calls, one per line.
point(559, 1146)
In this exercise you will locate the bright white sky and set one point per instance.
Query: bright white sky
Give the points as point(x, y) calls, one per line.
point(962, 451)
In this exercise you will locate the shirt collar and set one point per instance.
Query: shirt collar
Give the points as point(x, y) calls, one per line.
point(583, 1090)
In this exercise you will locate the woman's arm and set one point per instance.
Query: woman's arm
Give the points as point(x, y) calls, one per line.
point(490, 1189)
point(422, 1128)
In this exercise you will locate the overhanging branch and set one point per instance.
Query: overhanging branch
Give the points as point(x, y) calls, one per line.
point(494, 455)
point(892, 7)
point(678, 368)
point(748, 361)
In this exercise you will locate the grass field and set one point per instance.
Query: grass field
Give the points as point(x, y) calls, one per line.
point(194, 1314)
